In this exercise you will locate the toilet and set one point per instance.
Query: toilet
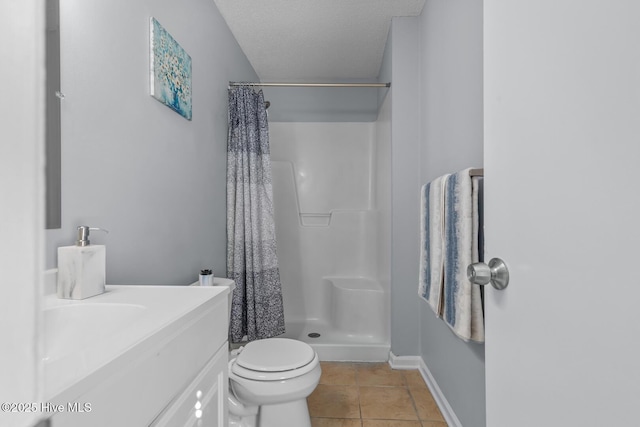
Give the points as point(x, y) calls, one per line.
point(270, 380)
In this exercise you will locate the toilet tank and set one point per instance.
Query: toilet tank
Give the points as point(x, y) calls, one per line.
point(222, 281)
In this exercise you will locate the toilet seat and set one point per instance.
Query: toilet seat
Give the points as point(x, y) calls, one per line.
point(274, 359)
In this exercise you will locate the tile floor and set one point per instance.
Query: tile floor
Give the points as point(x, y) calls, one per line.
point(372, 395)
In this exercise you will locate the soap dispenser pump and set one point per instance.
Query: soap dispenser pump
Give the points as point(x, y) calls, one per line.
point(82, 267)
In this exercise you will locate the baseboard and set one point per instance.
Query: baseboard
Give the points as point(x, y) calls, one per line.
point(416, 362)
point(404, 362)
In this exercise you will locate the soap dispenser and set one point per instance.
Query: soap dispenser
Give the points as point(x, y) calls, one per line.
point(82, 267)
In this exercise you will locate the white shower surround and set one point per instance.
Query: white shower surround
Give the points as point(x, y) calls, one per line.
point(332, 242)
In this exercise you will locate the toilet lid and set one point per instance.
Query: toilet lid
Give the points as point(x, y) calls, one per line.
point(275, 355)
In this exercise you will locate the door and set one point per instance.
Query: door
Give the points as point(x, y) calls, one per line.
point(21, 209)
point(562, 208)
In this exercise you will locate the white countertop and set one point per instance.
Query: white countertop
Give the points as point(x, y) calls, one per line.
point(87, 336)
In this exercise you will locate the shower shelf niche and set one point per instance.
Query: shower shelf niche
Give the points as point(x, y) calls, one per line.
point(315, 220)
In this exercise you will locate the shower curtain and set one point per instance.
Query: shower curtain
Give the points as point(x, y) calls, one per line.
point(257, 309)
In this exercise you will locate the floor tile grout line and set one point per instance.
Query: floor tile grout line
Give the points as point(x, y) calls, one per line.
point(413, 400)
point(415, 405)
point(359, 400)
point(407, 385)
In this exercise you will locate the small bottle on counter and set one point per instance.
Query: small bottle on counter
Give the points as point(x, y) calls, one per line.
point(82, 267)
point(206, 277)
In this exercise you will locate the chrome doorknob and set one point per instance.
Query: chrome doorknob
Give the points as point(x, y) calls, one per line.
point(496, 273)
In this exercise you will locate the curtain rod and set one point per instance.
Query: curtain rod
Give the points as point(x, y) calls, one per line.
point(273, 84)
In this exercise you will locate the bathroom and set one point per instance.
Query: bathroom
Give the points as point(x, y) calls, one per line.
point(151, 177)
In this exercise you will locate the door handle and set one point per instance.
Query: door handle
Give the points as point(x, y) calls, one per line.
point(496, 273)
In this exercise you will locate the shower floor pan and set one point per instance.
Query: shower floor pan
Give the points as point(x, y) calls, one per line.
point(336, 345)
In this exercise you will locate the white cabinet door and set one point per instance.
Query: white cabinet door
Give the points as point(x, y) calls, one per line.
point(204, 402)
point(562, 203)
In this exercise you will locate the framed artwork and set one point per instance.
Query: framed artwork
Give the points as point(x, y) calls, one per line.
point(170, 76)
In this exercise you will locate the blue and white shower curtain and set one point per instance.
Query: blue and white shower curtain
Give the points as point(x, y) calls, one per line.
point(257, 310)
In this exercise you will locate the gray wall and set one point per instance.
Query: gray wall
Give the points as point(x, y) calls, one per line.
point(382, 174)
point(299, 104)
point(401, 50)
point(435, 64)
point(129, 163)
point(451, 132)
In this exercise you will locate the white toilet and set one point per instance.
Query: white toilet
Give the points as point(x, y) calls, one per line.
point(270, 380)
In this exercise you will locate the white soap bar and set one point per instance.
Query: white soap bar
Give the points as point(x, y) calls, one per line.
point(81, 271)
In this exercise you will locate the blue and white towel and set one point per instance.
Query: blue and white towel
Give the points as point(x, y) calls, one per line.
point(432, 243)
point(462, 300)
point(450, 230)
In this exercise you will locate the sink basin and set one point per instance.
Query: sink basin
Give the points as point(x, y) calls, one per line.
point(69, 329)
point(87, 342)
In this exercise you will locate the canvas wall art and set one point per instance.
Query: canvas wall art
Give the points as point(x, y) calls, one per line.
point(170, 71)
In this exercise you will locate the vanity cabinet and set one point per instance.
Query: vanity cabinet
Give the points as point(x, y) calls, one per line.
point(203, 403)
point(175, 375)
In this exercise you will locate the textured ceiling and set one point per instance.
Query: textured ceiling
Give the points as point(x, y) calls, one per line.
point(314, 40)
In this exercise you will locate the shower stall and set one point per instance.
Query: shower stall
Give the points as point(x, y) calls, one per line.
point(331, 189)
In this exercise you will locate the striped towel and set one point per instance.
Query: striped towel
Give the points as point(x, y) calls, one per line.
point(432, 243)
point(462, 300)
